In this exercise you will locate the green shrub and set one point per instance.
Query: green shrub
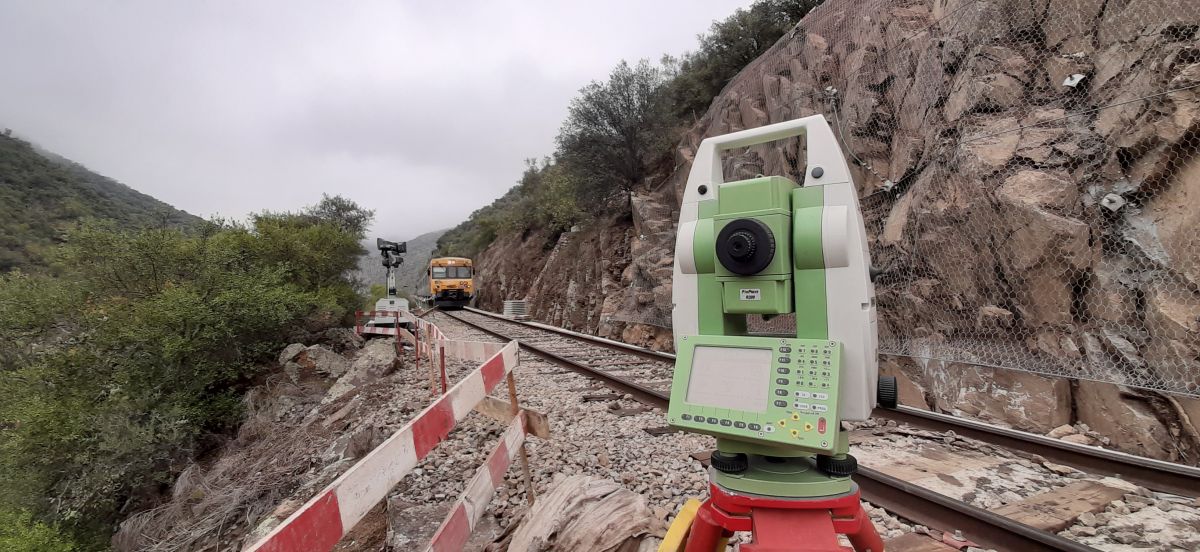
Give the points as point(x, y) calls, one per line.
point(120, 367)
point(19, 532)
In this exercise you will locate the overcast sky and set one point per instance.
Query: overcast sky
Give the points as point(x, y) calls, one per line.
point(421, 110)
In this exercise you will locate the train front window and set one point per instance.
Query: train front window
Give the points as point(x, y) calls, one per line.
point(451, 272)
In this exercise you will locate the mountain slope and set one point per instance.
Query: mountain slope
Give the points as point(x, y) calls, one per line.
point(43, 194)
point(992, 188)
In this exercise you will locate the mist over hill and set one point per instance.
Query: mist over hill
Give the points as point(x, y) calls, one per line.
point(42, 194)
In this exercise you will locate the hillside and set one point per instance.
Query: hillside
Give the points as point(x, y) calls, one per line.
point(43, 194)
point(1025, 181)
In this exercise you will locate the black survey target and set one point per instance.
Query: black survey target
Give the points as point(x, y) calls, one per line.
point(745, 246)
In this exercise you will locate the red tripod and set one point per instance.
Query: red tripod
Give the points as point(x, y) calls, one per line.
point(783, 525)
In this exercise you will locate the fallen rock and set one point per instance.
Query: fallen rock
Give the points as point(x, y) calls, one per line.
point(289, 353)
point(323, 361)
point(1061, 431)
point(1131, 425)
point(376, 360)
point(343, 340)
point(1078, 439)
point(585, 513)
point(1020, 399)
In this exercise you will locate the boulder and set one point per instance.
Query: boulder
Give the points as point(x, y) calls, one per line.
point(1078, 439)
point(993, 317)
point(343, 340)
point(1172, 318)
point(1045, 253)
point(316, 361)
point(1062, 431)
point(376, 360)
point(290, 352)
point(1129, 423)
point(1070, 18)
point(1175, 217)
point(1040, 190)
point(1110, 291)
point(990, 146)
point(986, 93)
point(1014, 398)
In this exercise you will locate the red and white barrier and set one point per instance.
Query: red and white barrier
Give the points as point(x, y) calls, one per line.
point(322, 521)
point(457, 527)
point(470, 351)
point(361, 328)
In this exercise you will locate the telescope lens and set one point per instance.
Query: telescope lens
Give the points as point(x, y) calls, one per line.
point(745, 246)
point(741, 245)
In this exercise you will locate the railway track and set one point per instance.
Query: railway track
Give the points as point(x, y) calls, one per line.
point(645, 375)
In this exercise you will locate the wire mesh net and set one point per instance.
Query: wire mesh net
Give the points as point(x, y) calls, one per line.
point(1029, 173)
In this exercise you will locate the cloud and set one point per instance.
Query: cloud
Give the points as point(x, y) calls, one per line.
point(423, 111)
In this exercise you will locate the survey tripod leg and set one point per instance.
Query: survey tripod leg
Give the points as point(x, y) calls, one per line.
point(782, 525)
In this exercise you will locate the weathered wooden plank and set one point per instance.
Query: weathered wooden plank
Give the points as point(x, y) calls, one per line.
point(1058, 509)
point(915, 542)
point(536, 423)
point(929, 461)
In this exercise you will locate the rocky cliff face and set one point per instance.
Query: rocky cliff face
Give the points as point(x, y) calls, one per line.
point(1028, 169)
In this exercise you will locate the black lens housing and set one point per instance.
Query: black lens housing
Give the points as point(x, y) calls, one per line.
point(745, 246)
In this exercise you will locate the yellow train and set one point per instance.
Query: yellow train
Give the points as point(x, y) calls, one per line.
point(451, 282)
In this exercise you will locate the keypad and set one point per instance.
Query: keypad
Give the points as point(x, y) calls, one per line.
point(801, 396)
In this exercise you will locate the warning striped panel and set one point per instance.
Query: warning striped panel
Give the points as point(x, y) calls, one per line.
point(322, 521)
point(458, 525)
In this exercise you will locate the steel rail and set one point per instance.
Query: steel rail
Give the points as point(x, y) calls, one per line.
point(1153, 474)
point(906, 500)
point(932, 509)
point(643, 352)
point(639, 392)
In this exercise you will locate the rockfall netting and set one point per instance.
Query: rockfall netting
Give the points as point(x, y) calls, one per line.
point(1029, 170)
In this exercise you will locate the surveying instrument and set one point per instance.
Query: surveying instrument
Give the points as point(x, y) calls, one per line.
point(766, 246)
point(390, 251)
point(387, 309)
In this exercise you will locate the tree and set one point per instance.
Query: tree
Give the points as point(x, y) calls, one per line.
point(615, 130)
point(343, 213)
point(728, 47)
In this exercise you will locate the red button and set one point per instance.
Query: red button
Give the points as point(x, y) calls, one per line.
point(821, 425)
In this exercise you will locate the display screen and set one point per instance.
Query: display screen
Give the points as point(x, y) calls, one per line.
point(728, 377)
